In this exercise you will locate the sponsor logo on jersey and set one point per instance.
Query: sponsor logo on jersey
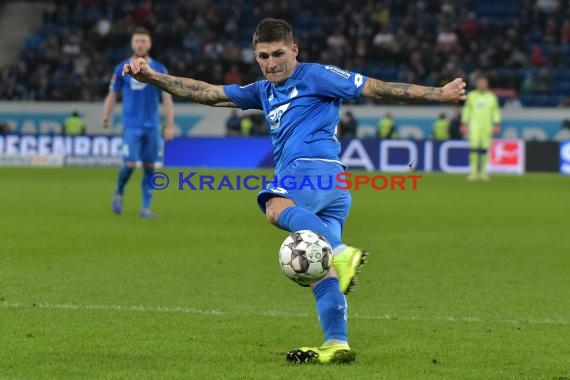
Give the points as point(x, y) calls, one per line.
point(343, 73)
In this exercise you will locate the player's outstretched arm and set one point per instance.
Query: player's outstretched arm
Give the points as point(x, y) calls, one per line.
point(198, 91)
point(108, 106)
point(453, 91)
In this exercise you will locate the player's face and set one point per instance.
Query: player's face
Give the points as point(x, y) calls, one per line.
point(482, 84)
point(276, 59)
point(140, 43)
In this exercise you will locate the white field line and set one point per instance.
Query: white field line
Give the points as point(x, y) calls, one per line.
point(275, 313)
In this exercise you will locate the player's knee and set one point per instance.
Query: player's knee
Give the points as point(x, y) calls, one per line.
point(148, 165)
point(131, 164)
point(275, 206)
point(330, 273)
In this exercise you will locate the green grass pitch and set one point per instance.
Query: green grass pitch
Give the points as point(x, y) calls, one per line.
point(465, 281)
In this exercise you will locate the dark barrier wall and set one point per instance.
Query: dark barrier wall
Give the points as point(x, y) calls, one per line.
point(542, 156)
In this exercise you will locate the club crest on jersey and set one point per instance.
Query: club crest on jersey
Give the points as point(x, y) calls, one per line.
point(276, 114)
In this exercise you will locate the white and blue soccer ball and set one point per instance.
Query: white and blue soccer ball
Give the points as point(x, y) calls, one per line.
point(305, 257)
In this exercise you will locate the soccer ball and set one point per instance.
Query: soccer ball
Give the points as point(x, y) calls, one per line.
point(305, 257)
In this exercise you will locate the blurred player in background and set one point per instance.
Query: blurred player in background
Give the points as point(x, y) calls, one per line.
point(480, 121)
point(301, 102)
point(141, 121)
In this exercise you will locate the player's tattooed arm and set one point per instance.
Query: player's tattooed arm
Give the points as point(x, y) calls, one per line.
point(198, 91)
point(377, 89)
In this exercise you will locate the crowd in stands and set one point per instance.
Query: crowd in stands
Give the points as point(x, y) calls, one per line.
point(523, 45)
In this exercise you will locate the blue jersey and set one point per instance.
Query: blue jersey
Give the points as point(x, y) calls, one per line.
point(302, 112)
point(141, 101)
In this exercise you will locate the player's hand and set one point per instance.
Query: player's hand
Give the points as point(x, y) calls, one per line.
point(454, 91)
point(464, 130)
point(168, 133)
point(496, 129)
point(105, 123)
point(139, 69)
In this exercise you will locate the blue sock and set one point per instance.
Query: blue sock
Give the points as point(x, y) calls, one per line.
point(146, 189)
point(297, 218)
point(124, 175)
point(332, 309)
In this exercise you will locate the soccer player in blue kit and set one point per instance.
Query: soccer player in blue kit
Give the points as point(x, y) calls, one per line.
point(301, 103)
point(141, 121)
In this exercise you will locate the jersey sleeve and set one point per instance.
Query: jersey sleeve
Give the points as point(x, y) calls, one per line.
point(245, 97)
point(334, 82)
point(162, 69)
point(117, 80)
point(496, 110)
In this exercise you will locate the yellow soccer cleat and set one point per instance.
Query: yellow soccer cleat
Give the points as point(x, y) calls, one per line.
point(326, 354)
point(347, 265)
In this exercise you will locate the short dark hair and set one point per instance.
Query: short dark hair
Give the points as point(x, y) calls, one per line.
point(273, 30)
point(141, 30)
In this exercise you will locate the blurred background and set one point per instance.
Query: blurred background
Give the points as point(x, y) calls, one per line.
point(57, 59)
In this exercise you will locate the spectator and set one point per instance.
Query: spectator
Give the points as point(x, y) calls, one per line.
point(72, 47)
point(387, 127)
point(513, 102)
point(551, 31)
point(74, 125)
point(233, 124)
point(565, 32)
point(246, 125)
point(440, 129)
point(381, 14)
point(348, 126)
point(529, 85)
point(565, 102)
point(4, 128)
point(402, 39)
point(544, 80)
point(455, 124)
point(537, 57)
point(385, 41)
point(337, 40)
point(233, 75)
point(447, 39)
point(259, 124)
point(469, 27)
point(548, 6)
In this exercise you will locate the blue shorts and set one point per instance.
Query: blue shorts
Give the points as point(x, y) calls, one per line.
point(141, 144)
point(311, 184)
